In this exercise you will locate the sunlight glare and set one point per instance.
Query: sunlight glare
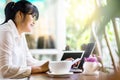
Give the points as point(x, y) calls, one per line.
point(87, 9)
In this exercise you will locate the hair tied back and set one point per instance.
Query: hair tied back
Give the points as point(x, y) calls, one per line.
point(13, 5)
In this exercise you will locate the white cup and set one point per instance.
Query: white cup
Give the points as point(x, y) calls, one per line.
point(60, 67)
point(91, 67)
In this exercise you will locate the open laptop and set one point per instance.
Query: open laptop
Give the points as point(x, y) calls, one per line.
point(74, 55)
point(79, 54)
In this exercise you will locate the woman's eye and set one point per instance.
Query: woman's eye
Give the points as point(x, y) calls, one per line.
point(34, 17)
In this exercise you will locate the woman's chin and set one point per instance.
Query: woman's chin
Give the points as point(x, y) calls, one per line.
point(29, 31)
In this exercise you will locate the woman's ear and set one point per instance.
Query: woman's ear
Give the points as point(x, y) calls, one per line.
point(19, 17)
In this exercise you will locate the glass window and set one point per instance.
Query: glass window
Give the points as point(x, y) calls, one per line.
point(77, 17)
point(45, 30)
point(2, 5)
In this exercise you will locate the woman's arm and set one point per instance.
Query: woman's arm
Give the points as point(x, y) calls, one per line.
point(7, 68)
point(37, 66)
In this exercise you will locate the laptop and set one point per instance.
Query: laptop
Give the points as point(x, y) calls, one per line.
point(75, 55)
point(79, 54)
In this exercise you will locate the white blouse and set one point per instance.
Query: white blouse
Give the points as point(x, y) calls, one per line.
point(15, 59)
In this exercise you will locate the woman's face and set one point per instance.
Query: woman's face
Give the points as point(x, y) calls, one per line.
point(27, 23)
point(24, 23)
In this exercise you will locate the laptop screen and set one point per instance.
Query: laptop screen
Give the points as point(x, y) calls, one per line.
point(88, 51)
point(72, 54)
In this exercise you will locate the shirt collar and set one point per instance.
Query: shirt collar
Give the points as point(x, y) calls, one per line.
point(14, 28)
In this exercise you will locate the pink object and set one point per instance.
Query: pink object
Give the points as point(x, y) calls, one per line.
point(91, 59)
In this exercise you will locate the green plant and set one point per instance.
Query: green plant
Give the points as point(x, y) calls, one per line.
point(102, 16)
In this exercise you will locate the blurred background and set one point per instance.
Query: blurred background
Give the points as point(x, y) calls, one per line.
point(72, 24)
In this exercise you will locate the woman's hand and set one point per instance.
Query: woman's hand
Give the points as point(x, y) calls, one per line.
point(44, 67)
point(75, 64)
point(40, 69)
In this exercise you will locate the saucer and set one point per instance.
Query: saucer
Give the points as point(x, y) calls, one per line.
point(94, 73)
point(59, 74)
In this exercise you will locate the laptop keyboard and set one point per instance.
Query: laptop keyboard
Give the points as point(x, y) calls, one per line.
point(76, 70)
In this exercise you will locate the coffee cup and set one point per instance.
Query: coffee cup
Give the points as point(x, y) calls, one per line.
point(91, 67)
point(60, 67)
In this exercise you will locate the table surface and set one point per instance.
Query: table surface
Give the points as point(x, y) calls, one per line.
point(74, 76)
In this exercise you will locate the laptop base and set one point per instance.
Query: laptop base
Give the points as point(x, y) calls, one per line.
point(76, 70)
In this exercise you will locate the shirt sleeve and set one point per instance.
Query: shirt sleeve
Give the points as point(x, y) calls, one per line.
point(7, 68)
point(33, 62)
point(30, 60)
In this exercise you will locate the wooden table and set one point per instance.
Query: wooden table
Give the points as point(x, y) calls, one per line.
point(75, 76)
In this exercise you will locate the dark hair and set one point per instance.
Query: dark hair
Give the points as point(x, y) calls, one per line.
point(24, 6)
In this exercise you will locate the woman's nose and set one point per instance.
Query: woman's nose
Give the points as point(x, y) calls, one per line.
point(33, 22)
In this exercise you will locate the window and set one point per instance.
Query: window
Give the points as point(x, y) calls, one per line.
point(2, 5)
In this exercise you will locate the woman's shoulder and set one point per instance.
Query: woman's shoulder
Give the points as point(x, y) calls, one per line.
point(5, 27)
point(5, 30)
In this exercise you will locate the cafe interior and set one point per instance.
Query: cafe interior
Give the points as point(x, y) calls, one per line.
point(70, 25)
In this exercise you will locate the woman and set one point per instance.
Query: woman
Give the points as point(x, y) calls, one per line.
point(15, 59)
